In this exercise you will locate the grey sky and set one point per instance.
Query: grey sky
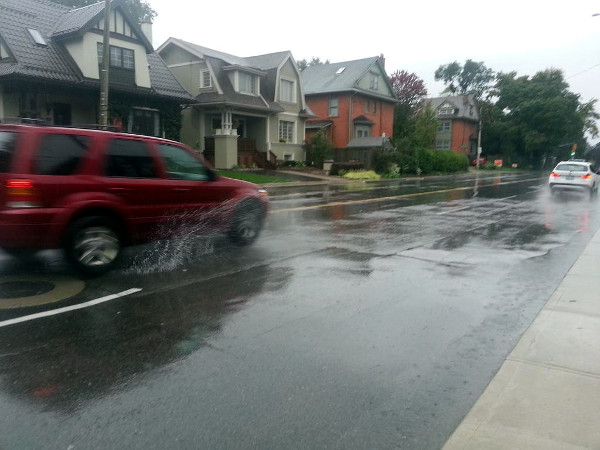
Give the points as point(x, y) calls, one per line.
point(525, 36)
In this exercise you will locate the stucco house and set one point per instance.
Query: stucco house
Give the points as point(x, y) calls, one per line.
point(458, 119)
point(354, 103)
point(50, 60)
point(247, 110)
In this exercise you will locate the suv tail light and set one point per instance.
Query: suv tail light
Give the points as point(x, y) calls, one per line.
point(554, 174)
point(586, 176)
point(21, 194)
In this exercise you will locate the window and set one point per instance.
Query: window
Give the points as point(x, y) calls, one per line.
point(205, 79)
point(444, 126)
point(181, 165)
point(363, 131)
point(374, 84)
point(333, 107)
point(370, 107)
point(7, 148)
point(119, 57)
point(60, 154)
point(144, 121)
point(37, 37)
point(246, 83)
point(442, 144)
point(286, 131)
point(129, 159)
point(287, 91)
point(446, 109)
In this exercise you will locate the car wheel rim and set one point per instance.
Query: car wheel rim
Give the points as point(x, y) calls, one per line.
point(96, 246)
point(247, 228)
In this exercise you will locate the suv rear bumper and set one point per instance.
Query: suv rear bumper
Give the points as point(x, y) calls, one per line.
point(29, 228)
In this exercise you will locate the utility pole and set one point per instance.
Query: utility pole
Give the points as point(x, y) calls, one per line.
point(479, 137)
point(105, 66)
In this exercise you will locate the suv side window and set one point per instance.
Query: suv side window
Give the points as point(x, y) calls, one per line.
point(180, 165)
point(60, 154)
point(127, 158)
point(7, 148)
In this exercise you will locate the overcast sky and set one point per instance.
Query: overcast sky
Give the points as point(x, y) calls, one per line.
point(525, 36)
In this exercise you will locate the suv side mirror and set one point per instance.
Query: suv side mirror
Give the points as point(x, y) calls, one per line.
point(211, 174)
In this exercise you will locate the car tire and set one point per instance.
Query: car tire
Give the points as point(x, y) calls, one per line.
point(93, 245)
point(246, 223)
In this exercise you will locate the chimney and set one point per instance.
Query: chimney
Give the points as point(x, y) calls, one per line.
point(382, 59)
point(146, 26)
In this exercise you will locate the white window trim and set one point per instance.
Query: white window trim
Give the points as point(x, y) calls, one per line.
point(294, 131)
point(293, 90)
point(202, 73)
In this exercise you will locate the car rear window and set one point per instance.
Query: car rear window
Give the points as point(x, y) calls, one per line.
point(572, 167)
point(60, 154)
point(7, 148)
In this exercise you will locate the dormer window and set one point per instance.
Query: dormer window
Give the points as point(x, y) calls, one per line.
point(205, 79)
point(122, 64)
point(287, 91)
point(37, 37)
point(445, 110)
point(246, 83)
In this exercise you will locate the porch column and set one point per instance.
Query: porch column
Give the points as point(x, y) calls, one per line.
point(226, 154)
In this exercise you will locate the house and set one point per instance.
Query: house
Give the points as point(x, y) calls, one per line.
point(458, 119)
point(50, 61)
point(247, 110)
point(354, 103)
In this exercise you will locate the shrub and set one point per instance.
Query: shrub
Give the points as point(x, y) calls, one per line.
point(337, 168)
point(362, 175)
point(293, 164)
point(394, 164)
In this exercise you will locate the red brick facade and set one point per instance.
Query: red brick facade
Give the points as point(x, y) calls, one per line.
point(350, 107)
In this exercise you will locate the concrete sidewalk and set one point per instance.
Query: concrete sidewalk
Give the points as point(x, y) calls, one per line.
point(546, 395)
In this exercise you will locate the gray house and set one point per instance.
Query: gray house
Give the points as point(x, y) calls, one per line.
point(247, 111)
point(50, 59)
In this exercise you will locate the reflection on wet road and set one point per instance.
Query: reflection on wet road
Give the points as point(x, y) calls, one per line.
point(365, 317)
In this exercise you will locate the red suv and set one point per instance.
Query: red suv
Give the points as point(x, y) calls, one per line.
point(92, 192)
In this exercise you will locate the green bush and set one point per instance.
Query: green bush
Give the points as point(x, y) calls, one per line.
point(361, 175)
point(395, 164)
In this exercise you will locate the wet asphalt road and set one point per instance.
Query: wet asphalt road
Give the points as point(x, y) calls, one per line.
point(366, 316)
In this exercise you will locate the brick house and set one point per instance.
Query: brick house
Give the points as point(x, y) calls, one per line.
point(354, 103)
point(458, 119)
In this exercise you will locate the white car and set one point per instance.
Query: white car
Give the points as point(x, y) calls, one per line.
point(574, 174)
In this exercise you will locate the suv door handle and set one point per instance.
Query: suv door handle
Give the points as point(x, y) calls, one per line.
point(120, 190)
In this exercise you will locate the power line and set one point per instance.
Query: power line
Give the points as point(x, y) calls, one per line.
point(583, 71)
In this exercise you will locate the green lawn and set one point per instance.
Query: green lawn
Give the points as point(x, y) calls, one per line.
point(253, 177)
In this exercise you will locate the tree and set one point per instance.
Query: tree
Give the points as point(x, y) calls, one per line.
point(303, 63)
point(410, 90)
point(536, 118)
point(473, 78)
point(138, 9)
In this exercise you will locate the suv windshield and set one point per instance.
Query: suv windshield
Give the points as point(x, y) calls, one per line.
point(572, 167)
point(7, 146)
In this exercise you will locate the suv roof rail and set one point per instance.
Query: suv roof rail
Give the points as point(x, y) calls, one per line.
point(25, 121)
point(48, 123)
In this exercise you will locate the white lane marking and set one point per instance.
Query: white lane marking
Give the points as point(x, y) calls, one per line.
point(54, 312)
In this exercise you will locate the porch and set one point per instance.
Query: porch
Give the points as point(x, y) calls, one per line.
point(247, 154)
